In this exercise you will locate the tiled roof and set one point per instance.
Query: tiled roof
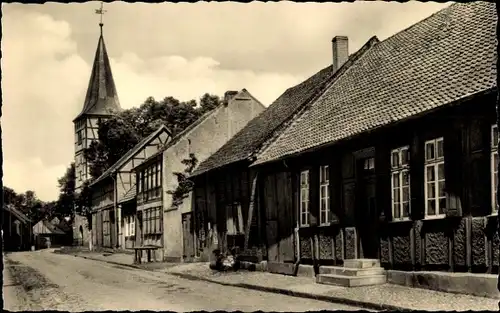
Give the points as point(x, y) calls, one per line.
point(101, 97)
point(130, 194)
point(442, 59)
point(260, 129)
point(130, 154)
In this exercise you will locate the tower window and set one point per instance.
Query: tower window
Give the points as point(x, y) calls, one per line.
point(79, 137)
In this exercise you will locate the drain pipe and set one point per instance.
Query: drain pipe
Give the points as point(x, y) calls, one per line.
point(297, 251)
point(117, 222)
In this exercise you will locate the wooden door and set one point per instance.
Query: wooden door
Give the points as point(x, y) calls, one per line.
point(188, 237)
point(366, 216)
point(112, 229)
point(271, 217)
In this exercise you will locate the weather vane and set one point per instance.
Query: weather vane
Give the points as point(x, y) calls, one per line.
point(101, 12)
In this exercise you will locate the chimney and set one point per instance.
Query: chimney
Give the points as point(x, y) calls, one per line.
point(340, 47)
point(228, 95)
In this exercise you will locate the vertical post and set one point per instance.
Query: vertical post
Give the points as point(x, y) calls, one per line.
point(498, 123)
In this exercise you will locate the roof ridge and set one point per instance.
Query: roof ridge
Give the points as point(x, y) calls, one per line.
point(355, 57)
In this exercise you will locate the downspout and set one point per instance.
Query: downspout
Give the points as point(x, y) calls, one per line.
point(115, 195)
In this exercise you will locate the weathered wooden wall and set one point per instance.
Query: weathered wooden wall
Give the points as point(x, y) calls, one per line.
point(214, 194)
point(465, 240)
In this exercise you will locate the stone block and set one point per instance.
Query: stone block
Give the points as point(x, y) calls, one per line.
point(305, 270)
point(436, 248)
point(482, 285)
point(350, 281)
point(478, 242)
point(460, 244)
point(281, 268)
point(350, 243)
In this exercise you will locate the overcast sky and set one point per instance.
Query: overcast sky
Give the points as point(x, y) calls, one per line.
point(179, 50)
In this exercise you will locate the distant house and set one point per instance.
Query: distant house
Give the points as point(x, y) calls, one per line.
point(169, 226)
point(16, 229)
point(49, 235)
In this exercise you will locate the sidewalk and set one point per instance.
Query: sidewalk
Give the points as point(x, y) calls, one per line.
point(382, 297)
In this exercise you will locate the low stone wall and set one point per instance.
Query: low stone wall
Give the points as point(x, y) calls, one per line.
point(483, 285)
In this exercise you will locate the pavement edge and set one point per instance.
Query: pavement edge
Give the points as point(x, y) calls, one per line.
point(298, 294)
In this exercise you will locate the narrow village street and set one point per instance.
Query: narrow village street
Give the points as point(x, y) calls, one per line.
point(43, 280)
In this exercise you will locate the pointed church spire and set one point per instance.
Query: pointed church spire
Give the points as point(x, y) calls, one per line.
point(101, 98)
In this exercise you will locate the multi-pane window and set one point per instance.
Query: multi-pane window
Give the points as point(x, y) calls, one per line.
point(152, 221)
point(324, 195)
point(79, 136)
point(304, 198)
point(400, 183)
point(369, 164)
point(149, 182)
point(129, 226)
point(435, 196)
point(494, 167)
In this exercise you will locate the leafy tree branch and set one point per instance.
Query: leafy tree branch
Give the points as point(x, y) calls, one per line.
point(185, 185)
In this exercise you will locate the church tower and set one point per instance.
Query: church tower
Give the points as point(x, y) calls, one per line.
point(101, 102)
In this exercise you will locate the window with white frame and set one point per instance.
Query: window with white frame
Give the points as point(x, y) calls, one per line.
point(400, 183)
point(129, 226)
point(324, 195)
point(494, 167)
point(304, 198)
point(435, 196)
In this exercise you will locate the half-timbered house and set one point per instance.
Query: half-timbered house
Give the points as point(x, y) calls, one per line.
point(226, 191)
point(114, 194)
point(162, 221)
point(396, 160)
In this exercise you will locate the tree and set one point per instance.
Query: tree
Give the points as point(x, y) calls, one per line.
point(185, 185)
point(65, 203)
point(120, 133)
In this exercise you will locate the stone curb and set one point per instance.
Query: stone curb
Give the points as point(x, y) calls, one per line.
point(298, 294)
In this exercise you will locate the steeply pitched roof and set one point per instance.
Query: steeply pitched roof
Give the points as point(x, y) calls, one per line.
point(17, 213)
point(442, 59)
point(247, 142)
point(101, 98)
point(132, 152)
point(50, 228)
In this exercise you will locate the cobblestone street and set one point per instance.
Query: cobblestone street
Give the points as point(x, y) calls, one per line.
point(43, 280)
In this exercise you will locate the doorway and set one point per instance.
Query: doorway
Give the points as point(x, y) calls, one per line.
point(366, 217)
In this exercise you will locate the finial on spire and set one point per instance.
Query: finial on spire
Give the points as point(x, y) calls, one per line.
point(101, 12)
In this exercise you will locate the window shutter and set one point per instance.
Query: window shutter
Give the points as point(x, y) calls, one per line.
point(314, 196)
point(417, 178)
point(383, 175)
point(453, 170)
